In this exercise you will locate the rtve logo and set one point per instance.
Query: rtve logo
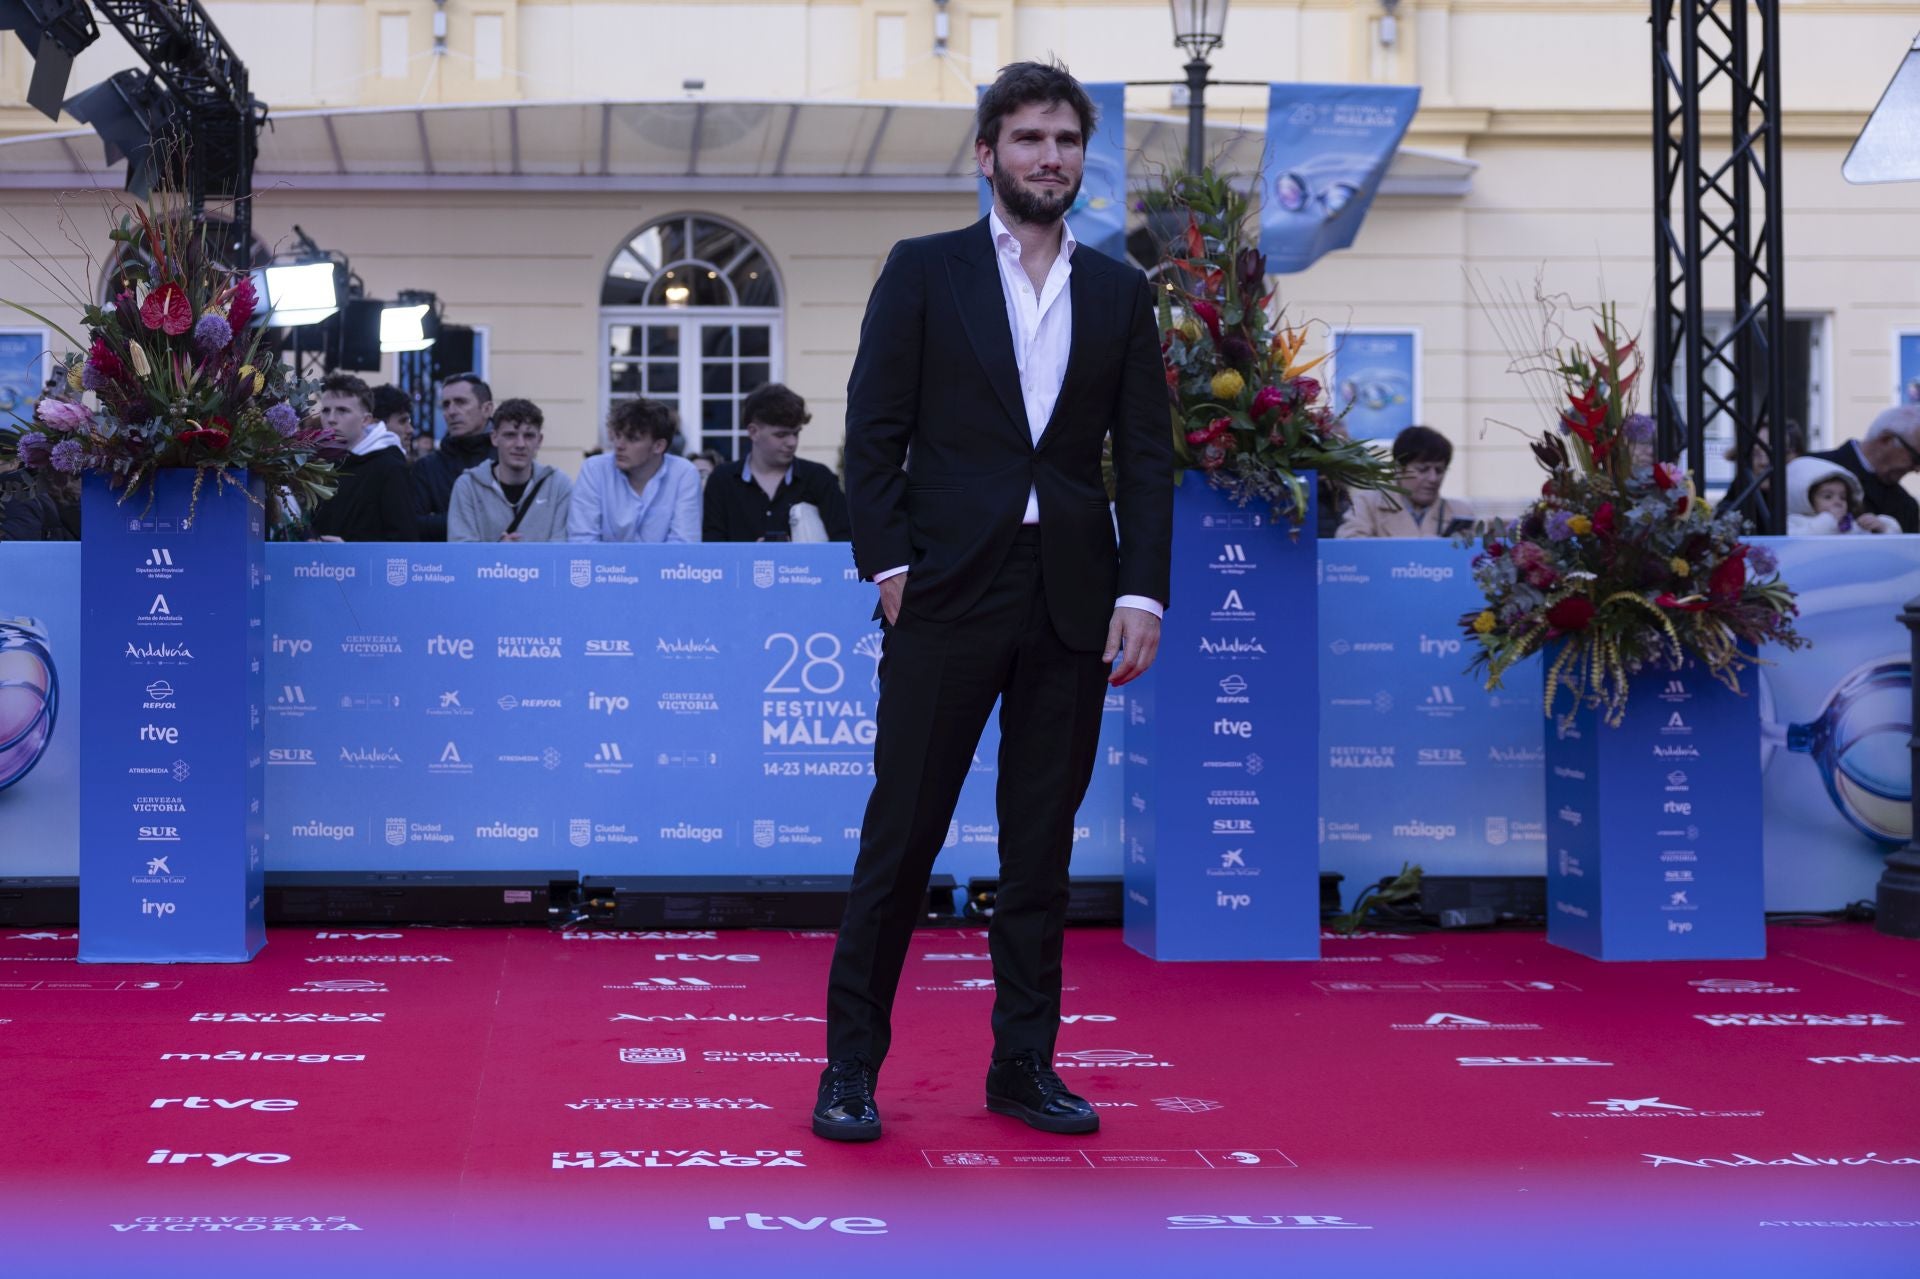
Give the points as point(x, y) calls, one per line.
point(841, 1225)
point(167, 735)
point(684, 958)
point(267, 1105)
point(1680, 807)
point(446, 646)
point(1242, 728)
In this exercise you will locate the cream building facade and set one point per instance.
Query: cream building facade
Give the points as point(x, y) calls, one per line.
point(538, 165)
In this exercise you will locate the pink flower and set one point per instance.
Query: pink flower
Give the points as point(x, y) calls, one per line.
point(63, 415)
point(1266, 400)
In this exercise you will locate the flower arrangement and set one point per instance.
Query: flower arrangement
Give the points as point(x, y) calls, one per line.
point(1246, 413)
point(178, 376)
point(1619, 566)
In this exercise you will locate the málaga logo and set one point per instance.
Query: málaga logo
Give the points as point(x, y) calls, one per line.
point(678, 1158)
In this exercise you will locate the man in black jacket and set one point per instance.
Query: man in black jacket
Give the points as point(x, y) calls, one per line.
point(373, 501)
point(752, 500)
point(1889, 451)
point(466, 403)
point(998, 358)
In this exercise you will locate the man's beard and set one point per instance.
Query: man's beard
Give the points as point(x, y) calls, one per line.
point(1028, 206)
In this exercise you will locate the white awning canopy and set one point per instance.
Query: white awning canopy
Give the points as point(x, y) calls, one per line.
point(670, 144)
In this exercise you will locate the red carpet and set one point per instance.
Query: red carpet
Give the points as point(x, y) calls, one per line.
point(377, 1102)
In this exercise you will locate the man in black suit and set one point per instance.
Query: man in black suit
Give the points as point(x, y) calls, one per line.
point(993, 362)
point(1888, 451)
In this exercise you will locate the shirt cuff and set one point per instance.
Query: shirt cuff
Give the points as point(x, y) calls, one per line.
point(887, 573)
point(1146, 604)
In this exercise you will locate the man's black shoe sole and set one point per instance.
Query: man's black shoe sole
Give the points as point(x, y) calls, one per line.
point(845, 1132)
point(1034, 1119)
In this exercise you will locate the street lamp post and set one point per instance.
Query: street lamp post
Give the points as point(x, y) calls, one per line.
point(1197, 28)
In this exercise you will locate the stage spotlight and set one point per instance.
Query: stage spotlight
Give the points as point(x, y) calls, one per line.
point(126, 111)
point(1888, 149)
point(404, 327)
point(297, 293)
point(54, 31)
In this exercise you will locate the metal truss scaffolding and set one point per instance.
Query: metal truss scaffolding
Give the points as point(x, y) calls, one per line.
point(1717, 211)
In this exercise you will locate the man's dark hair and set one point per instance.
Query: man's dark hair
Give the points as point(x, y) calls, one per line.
point(633, 419)
point(774, 405)
point(389, 399)
point(1421, 444)
point(1022, 84)
point(348, 384)
point(479, 384)
point(525, 412)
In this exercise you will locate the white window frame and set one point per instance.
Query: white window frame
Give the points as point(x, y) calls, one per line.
point(689, 319)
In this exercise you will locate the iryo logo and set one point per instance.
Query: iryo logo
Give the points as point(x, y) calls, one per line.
point(1233, 901)
point(290, 647)
point(607, 702)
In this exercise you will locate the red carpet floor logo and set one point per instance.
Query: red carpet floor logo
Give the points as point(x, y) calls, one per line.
point(1084, 1160)
point(86, 985)
point(1795, 1160)
point(1530, 1061)
point(1740, 986)
point(217, 1160)
point(652, 1056)
point(640, 936)
point(341, 986)
point(668, 1103)
point(1876, 1059)
point(1650, 1108)
point(379, 959)
point(1459, 1021)
point(1186, 1105)
point(841, 1225)
point(1438, 987)
point(1106, 1059)
point(675, 986)
point(312, 1059)
point(726, 1017)
point(678, 1159)
point(731, 1057)
point(284, 1019)
point(239, 1225)
point(1798, 1019)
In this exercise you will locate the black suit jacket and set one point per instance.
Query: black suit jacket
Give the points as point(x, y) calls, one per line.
point(940, 458)
point(1882, 498)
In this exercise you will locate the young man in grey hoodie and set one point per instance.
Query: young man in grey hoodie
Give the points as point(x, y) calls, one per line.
point(513, 498)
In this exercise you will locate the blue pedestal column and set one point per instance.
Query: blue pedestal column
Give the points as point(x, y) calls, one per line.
point(1653, 828)
point(172, 656)
point(1222, 776)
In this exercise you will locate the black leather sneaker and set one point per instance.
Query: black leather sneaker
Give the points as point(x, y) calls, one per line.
point(1026, 1087)
point(844, 1109)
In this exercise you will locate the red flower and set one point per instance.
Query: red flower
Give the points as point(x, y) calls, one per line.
point(1307, 389)
point(214, 437)
point(104, 361)
point(240, 310)
point(1266, 400)
point(1680, 504)
point(1730, 579)
point(1209, 315)
point(1666, 600)
point(166, 309)
point(1571, 614)
point(1603, 520)
point(1666, 475)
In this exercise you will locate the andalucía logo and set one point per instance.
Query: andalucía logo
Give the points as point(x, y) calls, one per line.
point(668, 1103)
point(1795, 1160)
point(678, 1158)
point(1458, 1021)
point(185, 1225)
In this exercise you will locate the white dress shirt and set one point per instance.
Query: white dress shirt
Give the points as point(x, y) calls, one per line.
point(606, 509)
point(1042, 327)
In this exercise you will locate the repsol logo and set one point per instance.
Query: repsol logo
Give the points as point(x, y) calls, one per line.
point(322, 830)
point(326, 572)
point(500, 830)
point(688, 573)
point(501, 572)
point(698, 834)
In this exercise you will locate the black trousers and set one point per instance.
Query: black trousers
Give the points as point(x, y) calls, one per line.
point(938, 683)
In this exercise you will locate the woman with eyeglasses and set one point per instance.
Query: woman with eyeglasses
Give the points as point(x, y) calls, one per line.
point(1423, 455)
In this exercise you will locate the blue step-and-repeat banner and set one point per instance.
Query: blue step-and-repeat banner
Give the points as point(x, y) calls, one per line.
point(686, 709)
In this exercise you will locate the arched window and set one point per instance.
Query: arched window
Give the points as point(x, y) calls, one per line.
point(690, 313)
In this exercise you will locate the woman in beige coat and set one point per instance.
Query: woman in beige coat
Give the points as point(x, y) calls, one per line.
point(1423, 455)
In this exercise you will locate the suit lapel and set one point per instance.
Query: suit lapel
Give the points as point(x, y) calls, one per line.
point(1090, 290)
point(975, 276)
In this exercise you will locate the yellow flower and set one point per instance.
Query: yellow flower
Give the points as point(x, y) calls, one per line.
point(1190, 330)
point(1484, 623)
point(259, 378)
point(138, 358)
point(1227, 385)
point(1580, 526)
point(73, 378)
point(1679, 567)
